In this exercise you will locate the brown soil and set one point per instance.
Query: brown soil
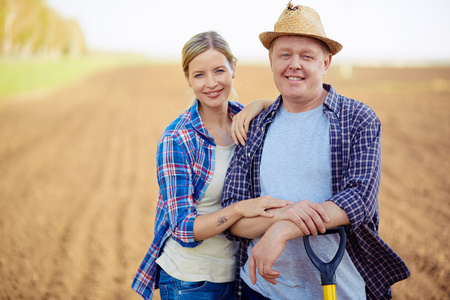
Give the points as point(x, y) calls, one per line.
point(78, 187)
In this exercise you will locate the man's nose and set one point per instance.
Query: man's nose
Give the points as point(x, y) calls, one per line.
point(296, 63)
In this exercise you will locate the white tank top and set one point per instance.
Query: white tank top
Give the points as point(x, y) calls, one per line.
point(214, 259)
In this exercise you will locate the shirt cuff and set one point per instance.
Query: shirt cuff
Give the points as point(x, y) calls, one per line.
point(184, 232)
point(350, 201)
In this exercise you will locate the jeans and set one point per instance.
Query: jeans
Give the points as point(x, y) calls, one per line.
point(171, 288)
point(250, 294)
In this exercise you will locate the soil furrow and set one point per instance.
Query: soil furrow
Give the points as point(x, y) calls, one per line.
point(78, 188)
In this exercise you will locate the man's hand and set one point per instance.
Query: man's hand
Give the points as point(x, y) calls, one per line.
point(273, 242)
point(310, 217)
point(269, 248)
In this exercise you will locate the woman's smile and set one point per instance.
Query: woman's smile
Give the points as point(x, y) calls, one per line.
point(214, 94)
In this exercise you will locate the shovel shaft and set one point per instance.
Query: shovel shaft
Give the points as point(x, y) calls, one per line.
point(329, 292)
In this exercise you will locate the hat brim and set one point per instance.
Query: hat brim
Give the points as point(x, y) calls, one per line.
point(267, 37)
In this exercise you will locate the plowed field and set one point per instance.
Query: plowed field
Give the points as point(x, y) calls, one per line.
point(78, 187)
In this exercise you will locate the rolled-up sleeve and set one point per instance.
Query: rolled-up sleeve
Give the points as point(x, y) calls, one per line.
point(176, 190)
point(361, 179)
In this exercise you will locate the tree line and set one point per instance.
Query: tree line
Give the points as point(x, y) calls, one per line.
point(31, 28)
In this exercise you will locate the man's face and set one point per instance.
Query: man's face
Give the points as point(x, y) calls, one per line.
point(298, 64)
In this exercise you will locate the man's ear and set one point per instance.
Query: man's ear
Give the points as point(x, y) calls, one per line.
point(327, 63)
point(270, 60)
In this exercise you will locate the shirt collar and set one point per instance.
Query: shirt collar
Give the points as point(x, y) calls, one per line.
point(331, 103)
point(332, 100)
point(269, 114)
point(196, 120)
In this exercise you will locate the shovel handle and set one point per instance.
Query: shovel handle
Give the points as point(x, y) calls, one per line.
point(327, 270)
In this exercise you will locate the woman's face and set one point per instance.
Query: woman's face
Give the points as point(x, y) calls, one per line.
point(211, 78)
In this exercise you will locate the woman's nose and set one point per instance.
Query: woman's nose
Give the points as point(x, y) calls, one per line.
point(211, 81)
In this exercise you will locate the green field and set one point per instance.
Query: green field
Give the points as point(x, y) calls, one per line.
point(26, 75)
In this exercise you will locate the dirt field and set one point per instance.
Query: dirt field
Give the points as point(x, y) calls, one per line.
point(78, 187)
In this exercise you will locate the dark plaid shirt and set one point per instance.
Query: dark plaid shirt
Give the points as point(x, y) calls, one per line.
point(356, 170)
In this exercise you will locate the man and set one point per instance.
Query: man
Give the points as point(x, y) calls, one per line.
point(320, 150)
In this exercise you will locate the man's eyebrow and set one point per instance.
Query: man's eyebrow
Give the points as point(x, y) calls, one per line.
point(284, 49)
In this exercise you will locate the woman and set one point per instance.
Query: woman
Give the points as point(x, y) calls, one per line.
point(190, 256)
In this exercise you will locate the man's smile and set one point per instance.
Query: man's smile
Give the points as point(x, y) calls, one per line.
point(294, 78)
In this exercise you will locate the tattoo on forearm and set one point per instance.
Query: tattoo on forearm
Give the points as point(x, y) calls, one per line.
point(221, 220)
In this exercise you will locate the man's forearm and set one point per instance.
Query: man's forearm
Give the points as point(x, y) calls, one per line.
point(287, 230)
point(251, 228)
point(338, 217)
point(255, 227)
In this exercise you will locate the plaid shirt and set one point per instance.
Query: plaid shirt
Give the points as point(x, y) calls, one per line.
point(356, 170)
point(185, 164)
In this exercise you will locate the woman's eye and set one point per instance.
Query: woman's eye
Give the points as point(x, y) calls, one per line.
point(198, 75)
point(220, 71)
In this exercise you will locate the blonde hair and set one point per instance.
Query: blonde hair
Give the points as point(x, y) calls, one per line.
point(202, 42)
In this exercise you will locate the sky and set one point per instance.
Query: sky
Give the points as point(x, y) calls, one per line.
point(371, 31)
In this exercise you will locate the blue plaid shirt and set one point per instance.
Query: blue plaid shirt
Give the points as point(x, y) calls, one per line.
point(355, 169)
point(185, 164)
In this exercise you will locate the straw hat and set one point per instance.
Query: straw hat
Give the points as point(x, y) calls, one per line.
point(299, 20)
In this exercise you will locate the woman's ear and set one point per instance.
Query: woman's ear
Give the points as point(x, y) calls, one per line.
point(187, 79)
point(234, 71)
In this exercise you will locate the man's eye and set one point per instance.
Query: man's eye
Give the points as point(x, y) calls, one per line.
point(198, 75)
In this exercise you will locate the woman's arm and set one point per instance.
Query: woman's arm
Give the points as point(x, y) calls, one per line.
point(209, 225)
point(176, 190)
point(241, 121)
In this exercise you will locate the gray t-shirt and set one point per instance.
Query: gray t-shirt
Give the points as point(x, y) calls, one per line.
point(295, 166)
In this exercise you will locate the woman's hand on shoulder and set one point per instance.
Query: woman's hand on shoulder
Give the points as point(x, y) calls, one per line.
point(241, 121)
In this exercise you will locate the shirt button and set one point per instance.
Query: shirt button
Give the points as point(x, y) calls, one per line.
point(248, 154)
point(179, 292)
point(240, 287)
point(239, 294)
